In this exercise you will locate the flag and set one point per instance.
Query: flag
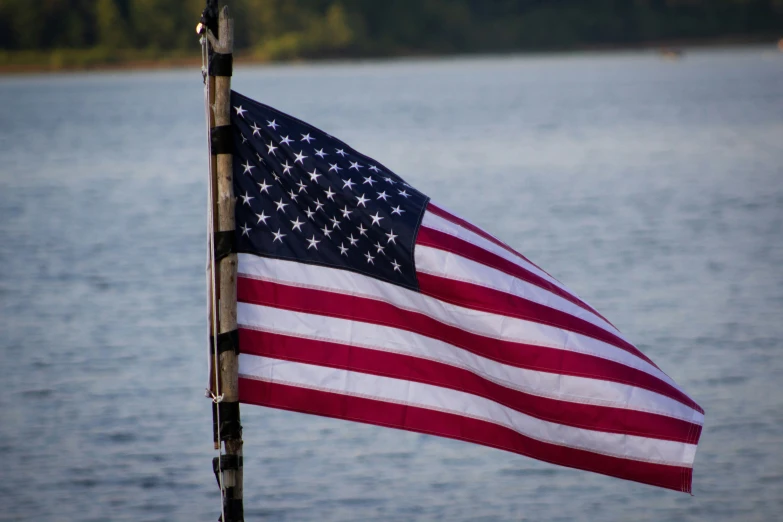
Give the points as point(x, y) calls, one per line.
point(359, 298)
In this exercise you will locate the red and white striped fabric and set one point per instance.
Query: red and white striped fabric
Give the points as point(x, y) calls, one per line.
point(492, 350)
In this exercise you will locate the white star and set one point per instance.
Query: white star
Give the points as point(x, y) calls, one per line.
point(379, 247)
point(301, 186)
point(248, 168)
point(369, 180)
point(297, 225)
point(260, 159)
point(244, 140)
point(396, 265)
point(382, 195)
point(335, 222)
point(348, 183)
point(355, 165)
point(274, 126)
point(309, 213)
point(370, 259)
point(300, 158)
point(404, 194)
point(285, 140)
point(314, 175)
point(343, 249)
point(330, 194)
point(391, 235)
point(293, 195)
point(318, 205)
point(341, 152)
point(353, 240)
point(262, 218)
point(246, 199)
point(346, 212)
point(389, 181)
point(397, 210)
point(307, 138)
point(245, 230)
point(313, 243)
point(376, 219)
point(335, 167)
point(256, 129)
point(362, 230)
point(326, 231)
point(374, 168)
point(278, 236)
point(274, 175)
point(240, 111)
point(281, 205)
point(271, 148)
point(362, 200)
point(263, 187)
point(286, 167)
point(320, 153)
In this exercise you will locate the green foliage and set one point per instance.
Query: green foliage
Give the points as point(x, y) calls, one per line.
point(111, 27)
point(301, 29)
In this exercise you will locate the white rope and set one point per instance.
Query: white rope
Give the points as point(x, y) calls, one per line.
point(208, 263)
point(216, 396)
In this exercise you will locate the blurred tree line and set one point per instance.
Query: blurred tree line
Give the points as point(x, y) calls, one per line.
point(289, 29)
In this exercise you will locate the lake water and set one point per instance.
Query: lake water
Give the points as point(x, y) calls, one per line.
point(653, 188)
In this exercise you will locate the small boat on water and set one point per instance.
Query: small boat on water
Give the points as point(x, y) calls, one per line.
point(671, 53)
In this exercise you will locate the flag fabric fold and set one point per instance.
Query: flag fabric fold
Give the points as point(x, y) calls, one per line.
point(359, 298)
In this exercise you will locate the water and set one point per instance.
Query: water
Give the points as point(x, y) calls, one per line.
point(652, 188)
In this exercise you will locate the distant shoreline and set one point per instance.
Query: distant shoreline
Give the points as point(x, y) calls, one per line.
point(96, 60)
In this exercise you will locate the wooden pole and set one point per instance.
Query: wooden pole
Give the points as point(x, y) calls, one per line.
point(231, 459)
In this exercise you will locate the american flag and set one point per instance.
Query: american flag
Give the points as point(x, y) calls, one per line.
point(361, 299)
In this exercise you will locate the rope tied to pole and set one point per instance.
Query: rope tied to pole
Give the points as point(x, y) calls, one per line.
point(215, 394)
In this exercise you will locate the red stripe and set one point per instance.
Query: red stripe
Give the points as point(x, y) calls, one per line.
point(498, 302)
point(516, 354)
point(423, 420)
point(442, 241)
point(410, 368)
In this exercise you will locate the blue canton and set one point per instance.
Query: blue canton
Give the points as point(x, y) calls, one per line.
point(306, 196)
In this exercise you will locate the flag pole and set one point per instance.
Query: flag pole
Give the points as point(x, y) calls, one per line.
point(227, 428)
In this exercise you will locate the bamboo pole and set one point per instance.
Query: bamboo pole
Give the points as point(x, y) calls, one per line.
point(232, 483)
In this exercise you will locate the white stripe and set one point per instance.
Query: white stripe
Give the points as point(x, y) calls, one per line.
point(475, 321)
point(459, 403)
point(568, 388)
point(446, 264)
